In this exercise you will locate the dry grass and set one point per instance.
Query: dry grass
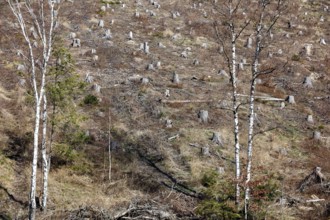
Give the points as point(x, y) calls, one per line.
point(284, 152)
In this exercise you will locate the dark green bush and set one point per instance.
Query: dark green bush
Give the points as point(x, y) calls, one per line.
point(91, 100)
point(295, 57)
point(218, 202)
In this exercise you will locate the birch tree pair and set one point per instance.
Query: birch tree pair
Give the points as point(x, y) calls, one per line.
point(37, 22)
point(262, 20)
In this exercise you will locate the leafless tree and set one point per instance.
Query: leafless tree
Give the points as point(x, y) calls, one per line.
point(228, 10)
point(268, 13)
point(37, 20)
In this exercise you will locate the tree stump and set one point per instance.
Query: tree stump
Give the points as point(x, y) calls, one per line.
point(308, 82)
point(95, 58)
point(72, 35)
point(310, 119)
point(150, 67)
point(101, 23)
point(206, 151)
point(322, 41)
point(89, 78)
point(76, 42)
point(217, 139)
point(175, 78)
point(22, 82)
point(107, 34)
point(168, 123)
point(167, 93)
point(144, 81)
point(146, 47)
point(220, 170)
point(316, 135)
point(248, 43)
point(96, 88)
point(203, 116)
point(195, 62)
point(308, 49)
point(20, 67)
point(223, 73)
point(160, 45)
point(314, 178)
point(290, 99)
point(130, 35)
point(241, 66)
point(184, 54)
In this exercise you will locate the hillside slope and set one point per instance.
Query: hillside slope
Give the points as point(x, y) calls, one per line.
point(157, 139)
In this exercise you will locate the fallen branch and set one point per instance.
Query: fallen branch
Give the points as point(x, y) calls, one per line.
point(320, 98)
point(264, 98)
point(173, 137)
point(315, 200)
point(184, 101)
point(190, 192)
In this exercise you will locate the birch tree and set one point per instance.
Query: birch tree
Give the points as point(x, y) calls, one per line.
point(228, 11)
point(269, 13)
point(36, 19)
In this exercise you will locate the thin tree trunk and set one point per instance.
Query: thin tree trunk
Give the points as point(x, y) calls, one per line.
point(251, 114)
point(38, 90)
point(235, 112)
point(109, 143)
point(32, 200)
point(45, 165)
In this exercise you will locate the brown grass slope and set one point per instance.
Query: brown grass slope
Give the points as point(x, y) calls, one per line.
point(144, 158)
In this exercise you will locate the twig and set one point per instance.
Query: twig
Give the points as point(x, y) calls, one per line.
point(315, 200)
point(173, 137)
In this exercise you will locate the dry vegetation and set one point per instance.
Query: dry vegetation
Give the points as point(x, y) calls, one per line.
point(145, 157)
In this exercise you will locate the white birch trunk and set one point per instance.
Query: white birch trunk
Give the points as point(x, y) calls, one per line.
point(45, 160)
point(32, 200)
point(24, 18)
point(109, 143)
point(251, 115)
point(235, 109)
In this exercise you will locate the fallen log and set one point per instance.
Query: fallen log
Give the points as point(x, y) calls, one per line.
point(184, 101)
point(264, 98)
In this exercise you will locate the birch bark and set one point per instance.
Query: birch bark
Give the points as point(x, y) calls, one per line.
point(24, 18)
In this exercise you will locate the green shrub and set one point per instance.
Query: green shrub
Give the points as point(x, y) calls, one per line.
point(295, 57)
point(91, 100)
point(211, 209)
point(63, 154)
point(209, 178)
point(218, 202)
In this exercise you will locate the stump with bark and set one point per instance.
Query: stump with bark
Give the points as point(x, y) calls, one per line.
point(290, 99)
point(308, 82)
point(314, 178)
point(175, 78)
point(203, 116)
point(310, 119)
point(316, 135)
point(205, 151)
point(76, 42)
point(217, 139)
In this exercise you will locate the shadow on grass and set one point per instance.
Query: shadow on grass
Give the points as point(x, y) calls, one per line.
point(12, 197)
